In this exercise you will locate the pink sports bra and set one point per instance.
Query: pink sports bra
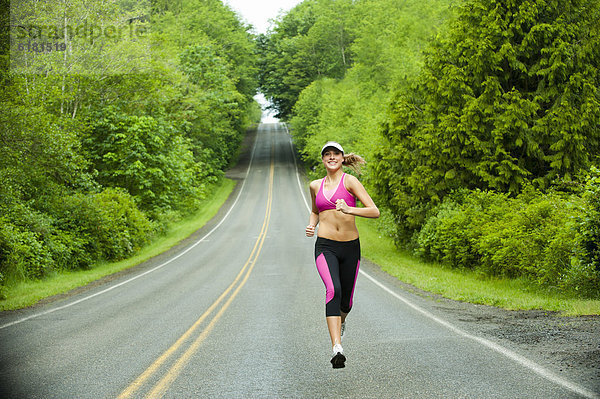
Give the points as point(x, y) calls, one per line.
point(323, 203)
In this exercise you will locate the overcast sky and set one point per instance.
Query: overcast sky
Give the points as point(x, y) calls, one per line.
point(258, 12)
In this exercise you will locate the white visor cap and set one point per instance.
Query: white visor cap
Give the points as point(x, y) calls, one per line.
point(332, 144)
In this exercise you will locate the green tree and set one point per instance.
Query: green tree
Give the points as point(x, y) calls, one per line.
point(508, 95)
point(102, 141)
point(145, 156)
point(386, 54)
point(310, 42)
point(215, 127)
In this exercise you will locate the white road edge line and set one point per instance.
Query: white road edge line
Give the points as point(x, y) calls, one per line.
point(531, 365)
point(494, 346)
point(36, 315)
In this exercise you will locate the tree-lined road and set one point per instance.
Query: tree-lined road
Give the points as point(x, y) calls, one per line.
point(238, 312)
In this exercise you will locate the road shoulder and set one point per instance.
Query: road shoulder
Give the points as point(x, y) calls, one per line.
point(569, 346)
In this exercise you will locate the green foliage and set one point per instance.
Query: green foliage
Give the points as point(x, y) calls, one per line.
point(71, 233)
point(508, 95)
point(534, 235)
point(587, 276)
point(23, 255)
point(233, 43)
point(307, 110)
point(205, 68)
point(390, 36)
point(33, 164)
point(110, 221)
point(145, 156)
point(310, 42)
point(468, 285)
point(219, 120)
point(449, 233)
point(104, 143)
point(385, 54)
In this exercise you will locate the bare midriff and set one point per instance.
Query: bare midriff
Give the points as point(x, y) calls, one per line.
point(337, 226)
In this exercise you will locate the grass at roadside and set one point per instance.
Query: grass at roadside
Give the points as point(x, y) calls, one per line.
point(462, 285)
point(28, 293)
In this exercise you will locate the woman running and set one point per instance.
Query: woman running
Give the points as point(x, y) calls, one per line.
point(337, 249)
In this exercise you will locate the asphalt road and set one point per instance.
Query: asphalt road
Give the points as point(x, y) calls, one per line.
point(237, 311)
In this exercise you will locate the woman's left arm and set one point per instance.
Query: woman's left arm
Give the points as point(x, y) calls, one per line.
point(355, 187)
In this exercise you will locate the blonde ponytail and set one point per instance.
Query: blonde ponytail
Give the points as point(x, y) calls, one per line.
point(354, 162)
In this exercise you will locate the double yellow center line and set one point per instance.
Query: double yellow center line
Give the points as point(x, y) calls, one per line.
point(179, 363)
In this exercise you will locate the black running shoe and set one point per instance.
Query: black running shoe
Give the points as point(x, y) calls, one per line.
point(338, 359)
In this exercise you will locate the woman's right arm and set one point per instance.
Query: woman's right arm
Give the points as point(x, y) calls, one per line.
point(313, 219)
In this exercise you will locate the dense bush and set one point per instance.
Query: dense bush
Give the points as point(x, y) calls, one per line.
point(110, 221)
point(590, 223)
point(22, 253)
point(542, 237)
point(79, 230)
point(450, 232)
point(145, 156)
point(584, 276)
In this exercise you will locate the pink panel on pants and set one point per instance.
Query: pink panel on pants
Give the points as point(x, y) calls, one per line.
point(323, 269)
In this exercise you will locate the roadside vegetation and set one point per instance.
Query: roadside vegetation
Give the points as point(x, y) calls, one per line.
point(465, 284)
point(110, 141)
point(480, 121)
point(28, 292)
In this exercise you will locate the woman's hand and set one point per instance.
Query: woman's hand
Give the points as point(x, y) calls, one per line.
point(341, 206)
point(310, 230)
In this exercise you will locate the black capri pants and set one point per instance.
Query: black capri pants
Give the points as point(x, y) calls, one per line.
point(338, 263)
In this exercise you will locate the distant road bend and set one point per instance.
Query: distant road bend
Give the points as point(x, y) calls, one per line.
point(238, 312)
